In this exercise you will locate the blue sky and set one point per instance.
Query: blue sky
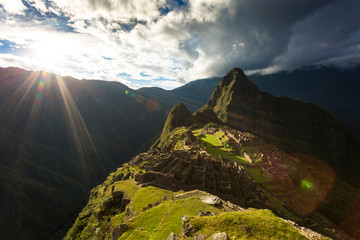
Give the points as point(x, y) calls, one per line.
point(166, 43)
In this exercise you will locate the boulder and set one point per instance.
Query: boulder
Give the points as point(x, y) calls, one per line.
point(172, 236)
point(219, 236)
point(211, 200)
point(198, 236)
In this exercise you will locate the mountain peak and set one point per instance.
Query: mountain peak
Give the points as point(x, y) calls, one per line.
point(178, 116)
point(236, 83)
point(237, 78)
point(290, 123)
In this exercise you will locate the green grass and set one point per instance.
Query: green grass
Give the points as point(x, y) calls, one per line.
point(159, 221)
point(256, 174)
point(147, 220)
point(172, 221)
point(148, 195)
point(217, 149)
point(128, 187)
point(252, 224)
point(139, 235)
point(118, 219)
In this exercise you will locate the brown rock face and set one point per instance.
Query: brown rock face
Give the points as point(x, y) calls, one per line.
point(291, 124)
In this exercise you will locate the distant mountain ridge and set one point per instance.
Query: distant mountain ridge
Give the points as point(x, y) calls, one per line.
point(58, 138)
point(193, 94)
point(336, 90)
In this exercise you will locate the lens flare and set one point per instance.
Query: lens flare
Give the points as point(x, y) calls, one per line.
point(140, 99)
point(306, 184)
point(152, 105)
point(40, 88)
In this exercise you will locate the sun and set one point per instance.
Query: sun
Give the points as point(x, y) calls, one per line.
point(50, 51)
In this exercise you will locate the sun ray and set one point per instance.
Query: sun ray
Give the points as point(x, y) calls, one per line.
point(82, 139)
point(22, 92)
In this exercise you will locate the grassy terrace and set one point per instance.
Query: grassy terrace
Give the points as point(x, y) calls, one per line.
point(159, 221)
point(251, 224)
point(218, 146)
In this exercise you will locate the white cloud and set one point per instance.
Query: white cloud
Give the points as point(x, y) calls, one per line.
point(39, 5)
point(203, 39)
point(111, 9)
point(13, 6)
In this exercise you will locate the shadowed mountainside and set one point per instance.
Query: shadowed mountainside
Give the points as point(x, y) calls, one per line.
point(60, 137)
point(336, 90)
point(295, 126)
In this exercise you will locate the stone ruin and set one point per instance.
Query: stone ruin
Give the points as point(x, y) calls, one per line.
point(189, 170)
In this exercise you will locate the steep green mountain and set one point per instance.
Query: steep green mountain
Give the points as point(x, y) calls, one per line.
point(59, 137)
point(295, 126)
point(219, 177)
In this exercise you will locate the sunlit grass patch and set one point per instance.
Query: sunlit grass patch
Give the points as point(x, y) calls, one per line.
point(253, 224)
point(128, 187)
point(149, 195)
point(219, 149)
point(147, 220)
point(172, 221)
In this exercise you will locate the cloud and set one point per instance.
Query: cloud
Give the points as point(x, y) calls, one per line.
point(13, 6)
point(170, 42)
point(112, 9)
point(331, 36)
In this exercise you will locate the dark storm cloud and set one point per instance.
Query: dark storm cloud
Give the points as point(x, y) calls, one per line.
point(251, 34)
point(331, 35)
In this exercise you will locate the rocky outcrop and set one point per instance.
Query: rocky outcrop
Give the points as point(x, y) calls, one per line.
point(206, 115)
point(219, 236)
point(291, 124)
point(178, 116)
point(116, 232)
point(116, 200)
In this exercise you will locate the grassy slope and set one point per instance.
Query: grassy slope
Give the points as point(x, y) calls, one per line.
point(251, 224)
point(148, 221)
point(215, 144)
